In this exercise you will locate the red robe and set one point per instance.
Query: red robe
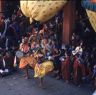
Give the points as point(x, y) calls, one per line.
point(65, 69)
point(75, 69)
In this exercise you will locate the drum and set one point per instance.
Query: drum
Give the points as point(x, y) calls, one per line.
point(19, 54)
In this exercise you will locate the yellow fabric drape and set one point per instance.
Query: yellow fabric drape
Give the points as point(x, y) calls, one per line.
point(41, 10)
point(92, 18)
point(42, 69)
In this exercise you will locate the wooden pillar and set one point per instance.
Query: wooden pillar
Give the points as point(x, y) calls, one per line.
point(2, 2)
point(68, 21)
point(93, 1)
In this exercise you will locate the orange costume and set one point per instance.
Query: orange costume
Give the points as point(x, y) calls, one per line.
point(26, 60)
point(29, 60)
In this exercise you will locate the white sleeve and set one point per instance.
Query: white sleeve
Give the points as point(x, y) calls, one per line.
point(4, 63)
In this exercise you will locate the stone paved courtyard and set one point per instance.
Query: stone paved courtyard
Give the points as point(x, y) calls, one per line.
point(16, 84)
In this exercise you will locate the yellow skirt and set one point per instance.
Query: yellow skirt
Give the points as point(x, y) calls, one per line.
point(29, 60)
point(42, 69)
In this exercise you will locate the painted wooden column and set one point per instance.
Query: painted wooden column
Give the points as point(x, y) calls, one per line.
point(2, 2)
point(68, 21)
point(94, 1)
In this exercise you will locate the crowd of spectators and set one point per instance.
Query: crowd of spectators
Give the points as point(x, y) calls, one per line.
point(73, 62)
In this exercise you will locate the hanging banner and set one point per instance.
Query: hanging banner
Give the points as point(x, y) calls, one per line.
point(41, 10)
point(92, 18)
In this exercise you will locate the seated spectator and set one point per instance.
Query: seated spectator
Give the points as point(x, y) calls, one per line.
point(7, 64)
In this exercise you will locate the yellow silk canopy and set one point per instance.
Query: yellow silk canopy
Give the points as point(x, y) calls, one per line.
point(92, 18)
point(41, 10)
